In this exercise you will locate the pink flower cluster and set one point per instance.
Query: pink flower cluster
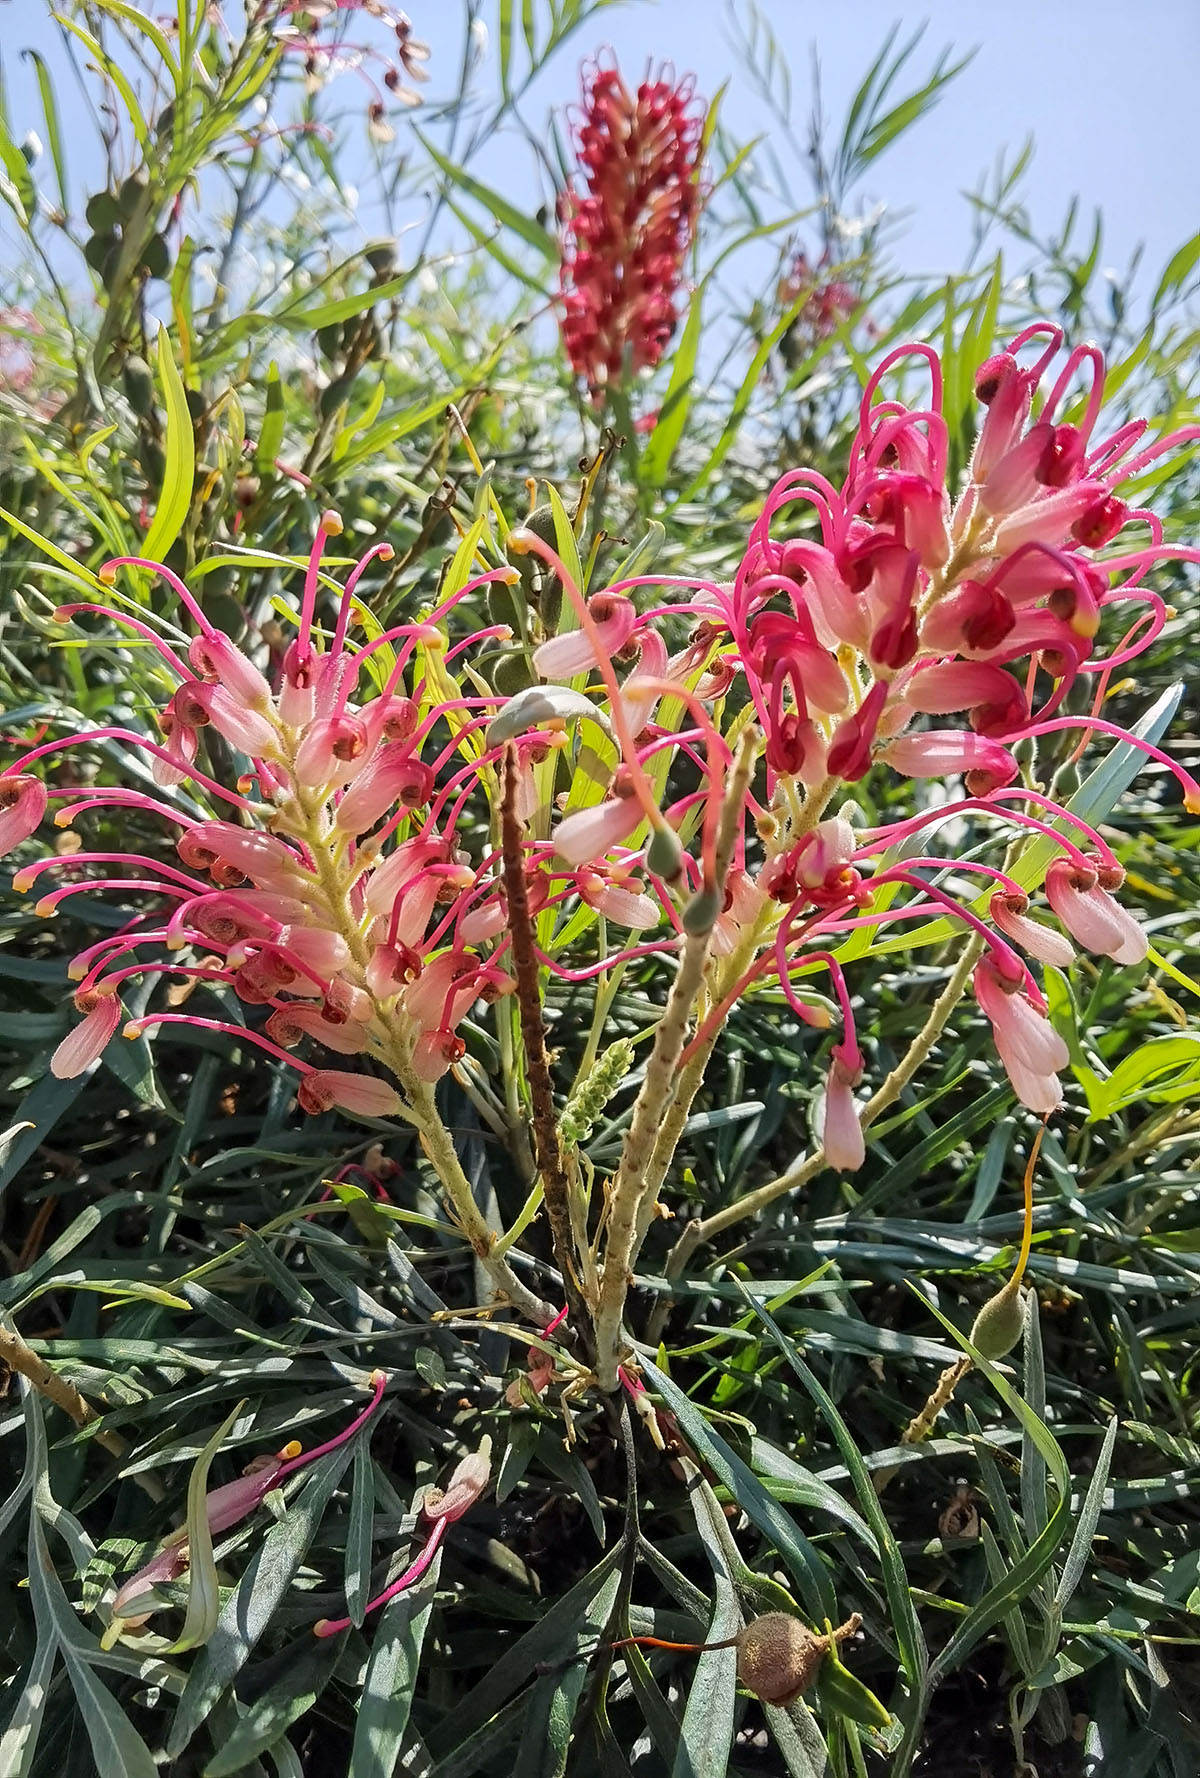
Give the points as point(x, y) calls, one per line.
point(873, 626)
point(625, 241)
point(336, 898)
point(906, 607)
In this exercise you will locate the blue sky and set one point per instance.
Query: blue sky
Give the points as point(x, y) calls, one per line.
point(1105, 86)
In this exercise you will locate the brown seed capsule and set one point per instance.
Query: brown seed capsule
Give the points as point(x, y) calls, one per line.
point(778, 1657)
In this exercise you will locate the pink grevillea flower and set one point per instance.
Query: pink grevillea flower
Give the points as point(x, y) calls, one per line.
point(1007, 908)
point(577, 651)
point(85, 1042)
point(22, 805)
point(625, 239)
point(842, 1134)
point(1091, 915)
point(827, 302)
point(224, 1507)
point(315, 31)
point(441, 1509)
point(1030, 1048)
point(589, 833)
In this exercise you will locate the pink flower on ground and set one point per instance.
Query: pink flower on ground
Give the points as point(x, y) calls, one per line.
point(224, 1507)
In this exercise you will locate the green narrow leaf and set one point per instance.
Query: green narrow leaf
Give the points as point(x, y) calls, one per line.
point(270, 433)
point(358, 1534)
point(543, 1642)
point(1089, 1518)
point(504, 39)
point(677, 402)
point(1177, 269)
point(806, 1567)
point(22, 193)
point(204, 1598)
point(116, 1744)
point(132, 15)
point(706, 1736)
point(175, 498)
point(40, 1109)
point(116, 74)
point(550, 1711)
point(905, 1623)
point(53, 129)
point(18, 1743)
point(391, 1677)
point(298, 1676)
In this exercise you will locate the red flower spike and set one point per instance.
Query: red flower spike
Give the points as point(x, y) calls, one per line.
point(625, 242)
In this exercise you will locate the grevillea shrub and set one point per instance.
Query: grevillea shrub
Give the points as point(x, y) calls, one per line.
point(404, 854)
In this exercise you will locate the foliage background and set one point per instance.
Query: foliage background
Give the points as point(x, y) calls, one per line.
point(164, 1237)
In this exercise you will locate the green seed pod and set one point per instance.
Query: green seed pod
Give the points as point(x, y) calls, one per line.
point(664, 856)
point(541, 523)
point(381, 257)
point(156, 260)
point(164, 123)
point(152, 460)
point(103, 213)
point(1000, 1323)
point(334, 394)
point(1024, 752)
point(138, 379)
point(97, 250)
point(329, 340)
point(1067, 780)
point(130, 194)
point(197, 405)
point(502, 606)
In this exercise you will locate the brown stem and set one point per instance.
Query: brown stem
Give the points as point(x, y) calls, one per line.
point(556, 1185)
point(21, 1358)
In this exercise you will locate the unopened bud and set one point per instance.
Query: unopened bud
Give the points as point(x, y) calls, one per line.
point(664, 856)
point(700, 913)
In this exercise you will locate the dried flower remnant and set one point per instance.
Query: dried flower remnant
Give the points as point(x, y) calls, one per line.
point(316, 31)
point(626, 237)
